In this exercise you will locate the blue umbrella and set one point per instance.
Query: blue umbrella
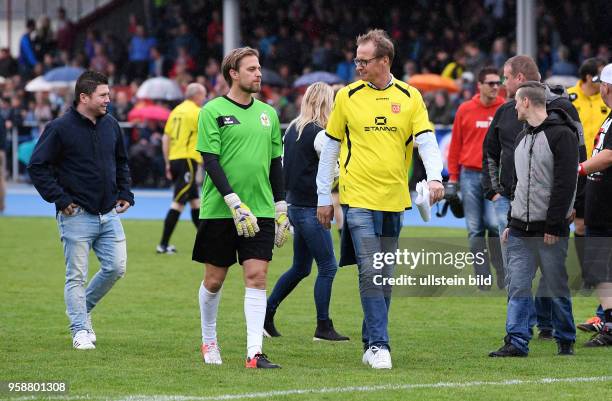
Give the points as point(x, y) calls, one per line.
point(318, 76)
point(63, 74)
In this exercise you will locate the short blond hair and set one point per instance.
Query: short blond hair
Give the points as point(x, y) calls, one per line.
point(523, 64)
point(382, 43)
point(232, 61)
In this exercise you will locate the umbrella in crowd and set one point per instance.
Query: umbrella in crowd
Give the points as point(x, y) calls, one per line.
point(433, 82)
point(63, 74)
point(272, 78)
point(150, 112)
point(40, 84)
point(317, 76)
point(159, 88)
point(563, 80)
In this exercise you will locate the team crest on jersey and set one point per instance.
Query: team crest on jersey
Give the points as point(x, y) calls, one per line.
point(396, 108)
point(265, 120)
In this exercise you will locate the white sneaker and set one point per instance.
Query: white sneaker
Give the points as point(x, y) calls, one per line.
point(81, 340)
point(365, 359)
point(381, 358)
point(211, 354)
point(90, 331)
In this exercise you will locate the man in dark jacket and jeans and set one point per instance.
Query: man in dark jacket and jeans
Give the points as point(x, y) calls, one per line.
point(544, 188)
point(80, 164)
point(498, 162)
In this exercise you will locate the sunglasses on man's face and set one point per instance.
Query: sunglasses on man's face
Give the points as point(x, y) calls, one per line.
point(493, 83)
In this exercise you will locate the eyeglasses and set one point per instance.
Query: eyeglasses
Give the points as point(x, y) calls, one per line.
point(493, 83)
point(364, 63)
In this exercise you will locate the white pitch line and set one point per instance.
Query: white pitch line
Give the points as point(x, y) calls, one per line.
point(328, 390)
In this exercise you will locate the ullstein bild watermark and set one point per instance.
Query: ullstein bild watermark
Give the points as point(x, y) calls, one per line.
point(429, 259)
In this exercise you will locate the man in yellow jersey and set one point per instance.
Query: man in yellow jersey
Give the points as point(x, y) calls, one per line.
point(182, 161)
point(592, 110)
point(587, 100)
point(374, 125)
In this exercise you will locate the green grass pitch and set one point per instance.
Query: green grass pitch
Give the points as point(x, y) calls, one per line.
point(149, 334)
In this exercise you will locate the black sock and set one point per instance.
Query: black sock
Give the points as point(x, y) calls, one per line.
point(169, 224)
point(608, 315)
point(195, 217)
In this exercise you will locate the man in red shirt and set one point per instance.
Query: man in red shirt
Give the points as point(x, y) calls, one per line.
point(465, 167)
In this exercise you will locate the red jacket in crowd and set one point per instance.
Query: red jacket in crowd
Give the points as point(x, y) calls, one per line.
point(472, 121)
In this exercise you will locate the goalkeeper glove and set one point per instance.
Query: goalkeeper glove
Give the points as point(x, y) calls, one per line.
point(282, 223)
point(245, 221)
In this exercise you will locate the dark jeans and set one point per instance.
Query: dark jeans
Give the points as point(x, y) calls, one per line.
point(522, 256)
point(310, 241)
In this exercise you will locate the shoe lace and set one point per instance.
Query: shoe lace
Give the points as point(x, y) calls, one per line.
point(261, 356)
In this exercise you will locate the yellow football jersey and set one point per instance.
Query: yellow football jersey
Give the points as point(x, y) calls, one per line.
point(182, 129)
point(592, 112)
point(376, 128)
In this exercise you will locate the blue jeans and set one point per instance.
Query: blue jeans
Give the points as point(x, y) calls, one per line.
point(480, 217)
point(542, 306)
point(501, 206)
point(310, 241)
point(373, 232)
point(523, 254)
point(79, 233)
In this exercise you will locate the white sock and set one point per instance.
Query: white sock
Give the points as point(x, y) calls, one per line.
point(209, 304)
point(255, 314)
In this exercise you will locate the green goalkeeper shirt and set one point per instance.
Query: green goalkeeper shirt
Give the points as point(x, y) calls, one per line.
point(246, 139)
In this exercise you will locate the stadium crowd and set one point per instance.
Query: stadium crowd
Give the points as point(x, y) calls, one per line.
point(455, 39)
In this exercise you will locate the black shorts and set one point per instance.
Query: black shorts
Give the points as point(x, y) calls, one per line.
point(218, 243)
point(598, 256)
point(184, 180)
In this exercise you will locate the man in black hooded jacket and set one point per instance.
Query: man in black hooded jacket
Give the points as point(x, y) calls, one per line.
point(498, 160)
point(543, 192)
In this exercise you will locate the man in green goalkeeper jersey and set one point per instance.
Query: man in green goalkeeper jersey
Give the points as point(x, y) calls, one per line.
point(243, 212)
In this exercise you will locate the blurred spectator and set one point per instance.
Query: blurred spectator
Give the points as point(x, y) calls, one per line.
point(183, 60)
point(562, 66)
point(603, 52)
point(139, 50)
point(121, 106)
point(27, 56)
point(3, 145)
point(65, 31)
point(48, 63)
point(91, 39)
point(214, 28)
point(158, 66)
point(346, 68)
point(99, 62)
point(440, 109)
point(410, 69)
point(185, 39)
point(212, 74)
point(499, 52)
point(586, 52)
point(455, 69)
point(8, 65)
point(43, 40)
point(476, 60)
